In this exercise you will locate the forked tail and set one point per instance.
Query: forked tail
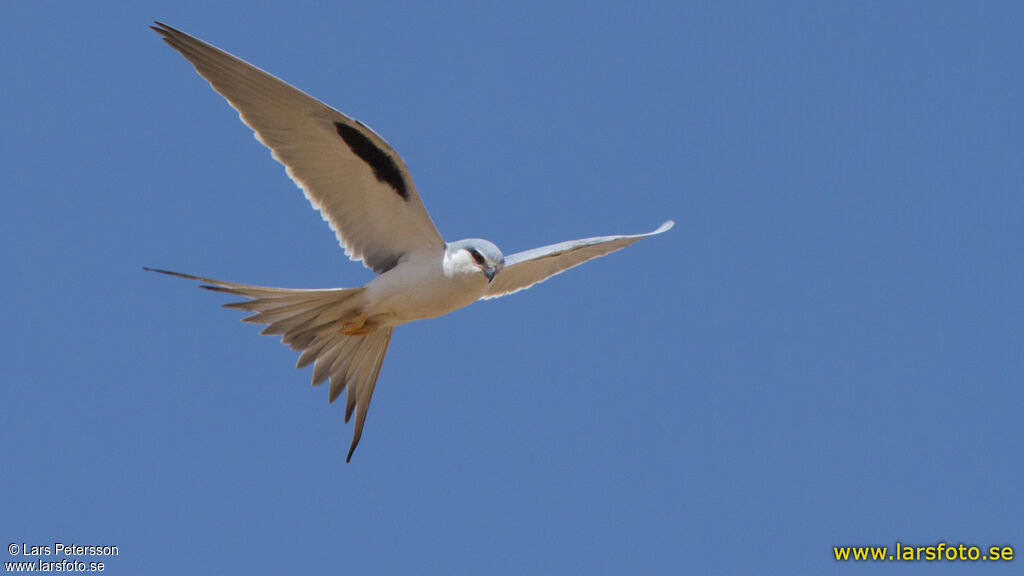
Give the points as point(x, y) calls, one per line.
point(310, 321)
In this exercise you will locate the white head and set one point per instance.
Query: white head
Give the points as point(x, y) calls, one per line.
point(474, 256)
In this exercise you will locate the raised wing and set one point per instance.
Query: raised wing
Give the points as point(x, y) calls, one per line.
point(360, 185)
point(524, 269)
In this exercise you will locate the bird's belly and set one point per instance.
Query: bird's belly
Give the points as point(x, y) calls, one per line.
point(418, 292)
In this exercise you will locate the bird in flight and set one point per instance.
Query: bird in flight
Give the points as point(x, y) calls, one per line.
point(363, 190)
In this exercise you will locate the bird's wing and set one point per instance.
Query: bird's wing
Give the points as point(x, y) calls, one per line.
point(524, 269)
point(360, 185)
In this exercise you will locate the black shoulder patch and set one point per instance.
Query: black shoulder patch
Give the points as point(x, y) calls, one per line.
point(383, 165)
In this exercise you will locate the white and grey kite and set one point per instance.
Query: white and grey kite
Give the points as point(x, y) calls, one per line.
point(364, 191)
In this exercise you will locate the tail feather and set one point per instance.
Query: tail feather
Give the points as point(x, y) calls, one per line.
point(315, 354)
point(313, 350)
point(336, 364)
point(309, 321)
point(368, 368)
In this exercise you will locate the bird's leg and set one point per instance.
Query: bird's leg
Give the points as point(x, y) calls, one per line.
point(357, 326)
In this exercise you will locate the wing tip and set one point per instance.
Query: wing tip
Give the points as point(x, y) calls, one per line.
point(172, 273)
point(161, 28)
point(665, 227)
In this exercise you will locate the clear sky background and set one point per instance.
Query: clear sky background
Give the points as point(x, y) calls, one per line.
point(826, 350)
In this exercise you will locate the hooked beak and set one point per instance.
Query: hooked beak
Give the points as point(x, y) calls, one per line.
point(490, 272)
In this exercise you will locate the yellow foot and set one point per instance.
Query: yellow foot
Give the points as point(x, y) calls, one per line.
point(356, 326)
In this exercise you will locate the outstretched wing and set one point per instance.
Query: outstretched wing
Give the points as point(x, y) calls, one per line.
point(524, 269)
point(360, 185)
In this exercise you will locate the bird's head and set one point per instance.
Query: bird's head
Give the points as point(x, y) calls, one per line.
point(475, 255)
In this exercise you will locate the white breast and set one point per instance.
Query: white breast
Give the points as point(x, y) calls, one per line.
point(424, 285)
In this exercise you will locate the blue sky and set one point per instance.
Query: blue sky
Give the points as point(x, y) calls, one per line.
point(826, 350)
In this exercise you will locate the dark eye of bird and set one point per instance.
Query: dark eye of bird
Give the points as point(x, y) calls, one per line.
point(476, 256)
